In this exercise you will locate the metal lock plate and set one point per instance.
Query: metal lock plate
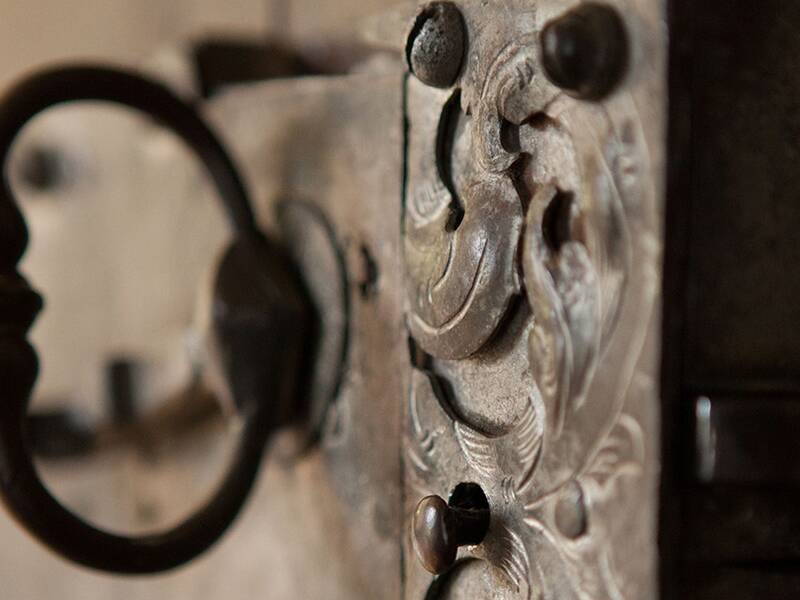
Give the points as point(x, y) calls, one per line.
point(501, 240)
point(537, 313)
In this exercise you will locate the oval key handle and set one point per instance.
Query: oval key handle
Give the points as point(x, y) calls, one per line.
point(261, 319)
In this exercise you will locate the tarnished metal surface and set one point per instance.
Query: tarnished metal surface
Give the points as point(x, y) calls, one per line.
point(537, 375)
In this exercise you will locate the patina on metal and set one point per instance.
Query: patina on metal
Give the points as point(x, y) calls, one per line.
point(436, 44)
point(532, 258)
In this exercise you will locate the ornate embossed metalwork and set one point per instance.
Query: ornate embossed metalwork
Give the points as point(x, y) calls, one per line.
point(461, 233)
point(569, 471)
point(463, 214)
point(533, 538)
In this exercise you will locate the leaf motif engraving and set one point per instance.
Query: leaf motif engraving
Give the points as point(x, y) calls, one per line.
point(621, 453)
point(429, 200)
point(509, 94)
point(420, 443)
point(479, 450)
point(513, 561)
point(526, 441)
point(584, 563)
point(551, 341)
point(521, 447)
point(569, 570)
point(578, 291)
point(549, 368)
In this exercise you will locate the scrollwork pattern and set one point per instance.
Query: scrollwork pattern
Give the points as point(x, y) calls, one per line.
point(585, 259)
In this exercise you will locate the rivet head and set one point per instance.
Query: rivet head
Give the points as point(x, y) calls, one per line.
point(585, 51)
point(436, 44)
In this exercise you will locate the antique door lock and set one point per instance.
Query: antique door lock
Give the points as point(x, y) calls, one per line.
point(494, 282)
point(452, 264)
point(531, 257)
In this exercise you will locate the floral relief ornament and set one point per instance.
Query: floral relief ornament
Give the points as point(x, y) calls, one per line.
point(553, 478)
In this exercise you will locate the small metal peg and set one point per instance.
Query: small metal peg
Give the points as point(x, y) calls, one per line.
point(439, 529)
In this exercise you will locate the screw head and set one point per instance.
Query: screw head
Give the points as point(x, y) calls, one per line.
point(585, 51)
point(436, 44)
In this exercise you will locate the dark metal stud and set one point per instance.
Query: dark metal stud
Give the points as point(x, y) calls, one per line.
point(436, 43)
point(585, 51)
point(440, 528)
